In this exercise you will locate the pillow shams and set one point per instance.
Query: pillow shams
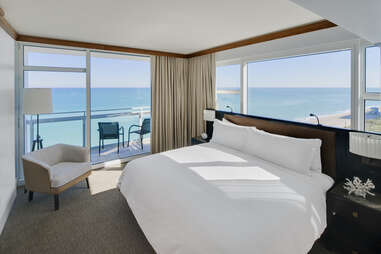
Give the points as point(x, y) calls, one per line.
point(229, 135)
point(292, 153)
point(316, 145)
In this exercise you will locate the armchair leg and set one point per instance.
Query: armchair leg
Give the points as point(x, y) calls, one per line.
point(87, 182)
point(141, 141)
point(128, 142)
point(99, 147)
point(30, 197)
point(56, 202)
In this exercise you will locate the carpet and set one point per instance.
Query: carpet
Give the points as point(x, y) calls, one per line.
point(89, 221)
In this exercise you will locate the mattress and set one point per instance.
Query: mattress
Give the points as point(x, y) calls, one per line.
point(212, 199)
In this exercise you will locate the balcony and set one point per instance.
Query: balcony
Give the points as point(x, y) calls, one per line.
point(70, 128)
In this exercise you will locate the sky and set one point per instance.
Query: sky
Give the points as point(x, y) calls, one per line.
point(109, 70)
point(320, 70)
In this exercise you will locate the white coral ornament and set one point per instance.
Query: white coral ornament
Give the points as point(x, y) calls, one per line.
point(359, 188)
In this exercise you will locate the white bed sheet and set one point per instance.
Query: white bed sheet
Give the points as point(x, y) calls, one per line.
point(212, 199)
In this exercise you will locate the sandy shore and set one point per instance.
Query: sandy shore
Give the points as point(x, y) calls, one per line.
point(343, 120)
point(340, 120)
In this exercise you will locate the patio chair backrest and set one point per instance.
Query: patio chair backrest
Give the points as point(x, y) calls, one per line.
point(146, 126)
point(108, 129)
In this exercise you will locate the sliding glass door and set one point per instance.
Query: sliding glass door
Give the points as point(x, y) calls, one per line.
point(120, 106)
point(115, 89)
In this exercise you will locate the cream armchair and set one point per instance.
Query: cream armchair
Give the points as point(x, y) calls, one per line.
point(54, 169)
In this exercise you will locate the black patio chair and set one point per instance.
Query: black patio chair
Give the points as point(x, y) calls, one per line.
point(145, 128)
point(109, 130)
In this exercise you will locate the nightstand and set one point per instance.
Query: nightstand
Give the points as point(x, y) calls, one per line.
point(198, 140)
point(354, 223)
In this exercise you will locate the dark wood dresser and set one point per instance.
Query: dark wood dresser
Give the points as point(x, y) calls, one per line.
point(354, 223)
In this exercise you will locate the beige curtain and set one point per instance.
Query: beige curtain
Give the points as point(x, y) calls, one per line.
point(181, 90)
point(202, 91)
point(169, 77)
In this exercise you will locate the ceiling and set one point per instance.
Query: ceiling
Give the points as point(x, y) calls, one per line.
point(180, 26)
point(316, 41)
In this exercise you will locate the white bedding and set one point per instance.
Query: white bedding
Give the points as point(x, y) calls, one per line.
point(212, 199)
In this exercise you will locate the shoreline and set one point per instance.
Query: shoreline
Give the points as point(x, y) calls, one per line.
point(341, 119)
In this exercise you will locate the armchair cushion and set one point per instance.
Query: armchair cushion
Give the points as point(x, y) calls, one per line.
point(64, 172)
point(55, 166)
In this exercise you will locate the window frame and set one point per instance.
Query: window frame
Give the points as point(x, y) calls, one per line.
point(227, 63)
point(20, 118)
point(356, 59)
point(364, 95)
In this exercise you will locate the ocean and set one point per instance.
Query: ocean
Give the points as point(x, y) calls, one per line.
point(290, 103)
point(282, 103)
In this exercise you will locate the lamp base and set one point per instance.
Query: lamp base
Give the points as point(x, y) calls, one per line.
point(37, 142)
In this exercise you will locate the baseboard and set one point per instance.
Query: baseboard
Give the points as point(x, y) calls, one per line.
point(9, 200)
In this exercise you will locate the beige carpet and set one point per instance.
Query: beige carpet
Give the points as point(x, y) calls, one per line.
point(89, 221)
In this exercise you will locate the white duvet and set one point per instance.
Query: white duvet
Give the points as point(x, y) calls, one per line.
point(212, 199)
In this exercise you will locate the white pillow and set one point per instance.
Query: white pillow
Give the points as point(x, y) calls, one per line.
point(292, 153)
point(315, 143)
point(228, 135)
point(316, 161)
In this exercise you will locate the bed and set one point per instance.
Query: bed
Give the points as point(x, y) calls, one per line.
point(210, 198)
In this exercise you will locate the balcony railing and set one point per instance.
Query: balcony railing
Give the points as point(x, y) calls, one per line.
point(72, 116)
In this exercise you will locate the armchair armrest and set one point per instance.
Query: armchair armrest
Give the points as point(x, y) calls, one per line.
point(36, 175)
point(122, 130)
point(134, 125)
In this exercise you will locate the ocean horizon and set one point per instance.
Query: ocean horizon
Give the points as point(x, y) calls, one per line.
point(281, 103)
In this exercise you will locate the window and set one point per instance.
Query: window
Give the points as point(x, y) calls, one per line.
point(228, 87)
point(120, 92)
point(66, 124)
point(119, 88)
point(372, 116)
point(371, 98)
point(292, 88)
point(373, 69)
point(53, 57)
point(63, 71)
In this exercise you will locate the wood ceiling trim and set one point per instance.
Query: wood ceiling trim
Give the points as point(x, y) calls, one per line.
point(319, 25)
point(6, 26)
point(89, 45)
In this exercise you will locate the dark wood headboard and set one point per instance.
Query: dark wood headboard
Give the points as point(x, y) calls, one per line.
point(328, 148)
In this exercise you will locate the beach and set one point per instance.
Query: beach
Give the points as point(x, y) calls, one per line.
point(343, 120)
point(339, 120)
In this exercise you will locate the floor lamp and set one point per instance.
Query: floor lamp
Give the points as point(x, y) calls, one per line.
point(37, 101)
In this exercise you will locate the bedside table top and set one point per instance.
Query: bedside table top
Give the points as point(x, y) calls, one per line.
point(200, 139)
point(373, 202)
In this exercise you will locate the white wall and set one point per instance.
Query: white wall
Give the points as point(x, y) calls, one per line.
point(7, 126)
point(358, 16)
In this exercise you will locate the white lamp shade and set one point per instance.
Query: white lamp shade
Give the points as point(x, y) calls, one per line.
point(365, 144)
point(209, 115)
point(37, 101)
